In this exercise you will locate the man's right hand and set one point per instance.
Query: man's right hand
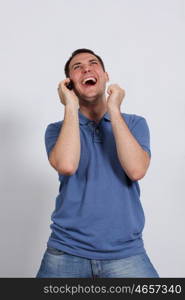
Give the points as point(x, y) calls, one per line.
point(67, 96)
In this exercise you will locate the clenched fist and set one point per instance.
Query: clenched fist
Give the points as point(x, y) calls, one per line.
point(116, 95)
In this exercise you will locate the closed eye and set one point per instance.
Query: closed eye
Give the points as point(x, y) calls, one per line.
point(76, 67)
point(92, 62)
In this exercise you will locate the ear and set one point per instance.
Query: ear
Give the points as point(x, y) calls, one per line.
point(107, 76)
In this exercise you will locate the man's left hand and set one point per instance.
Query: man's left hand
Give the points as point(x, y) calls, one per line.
point(116, 95)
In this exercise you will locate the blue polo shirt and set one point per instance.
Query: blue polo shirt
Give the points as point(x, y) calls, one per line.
point(98, 213)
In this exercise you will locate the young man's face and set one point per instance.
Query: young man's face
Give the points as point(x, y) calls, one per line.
point(86, 66)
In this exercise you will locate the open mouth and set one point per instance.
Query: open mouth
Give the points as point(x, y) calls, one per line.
point(89, 81)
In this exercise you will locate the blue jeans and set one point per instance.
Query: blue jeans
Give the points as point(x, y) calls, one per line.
point(56, 263)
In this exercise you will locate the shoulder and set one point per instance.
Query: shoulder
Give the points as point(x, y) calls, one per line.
point(54, 125)
point(132, 119)
point(53, 128)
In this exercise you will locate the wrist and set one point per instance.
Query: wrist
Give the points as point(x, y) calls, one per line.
point(113, 109)
point(72, 106)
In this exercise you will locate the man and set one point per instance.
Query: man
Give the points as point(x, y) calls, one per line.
point(100, 154)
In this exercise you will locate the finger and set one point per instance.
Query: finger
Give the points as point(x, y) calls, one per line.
point(63, 83)
point(109, 90)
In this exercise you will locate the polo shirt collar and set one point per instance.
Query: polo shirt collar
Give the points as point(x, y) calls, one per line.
point(84, 120)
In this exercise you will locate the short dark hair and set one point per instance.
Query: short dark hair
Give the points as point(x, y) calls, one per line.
point(82, 50)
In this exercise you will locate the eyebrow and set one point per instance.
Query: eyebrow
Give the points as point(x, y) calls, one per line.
point(90, 60)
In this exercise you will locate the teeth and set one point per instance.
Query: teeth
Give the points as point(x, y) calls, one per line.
point(89, 78)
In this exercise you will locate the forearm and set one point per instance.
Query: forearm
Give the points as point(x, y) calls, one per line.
point(66, 152)
point(132, 157)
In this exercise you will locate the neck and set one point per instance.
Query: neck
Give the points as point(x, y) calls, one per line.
point(94, 111)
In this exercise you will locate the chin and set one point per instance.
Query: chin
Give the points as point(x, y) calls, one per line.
point(91, 98)
point(88, 96)
point(93, 94)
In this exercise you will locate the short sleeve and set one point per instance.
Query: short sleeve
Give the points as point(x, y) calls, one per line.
point(142, 134)
point(51, 134)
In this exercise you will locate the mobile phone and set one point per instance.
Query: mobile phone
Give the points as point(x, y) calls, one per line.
point(70, 85)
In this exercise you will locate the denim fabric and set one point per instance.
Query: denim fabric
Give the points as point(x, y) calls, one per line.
point(56, 263)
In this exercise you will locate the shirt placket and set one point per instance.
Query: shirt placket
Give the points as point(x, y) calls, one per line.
point(96, 132)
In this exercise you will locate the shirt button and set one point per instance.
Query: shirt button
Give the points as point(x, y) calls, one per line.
point(97, 131)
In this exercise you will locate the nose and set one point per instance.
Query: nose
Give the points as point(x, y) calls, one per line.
point(86, 68)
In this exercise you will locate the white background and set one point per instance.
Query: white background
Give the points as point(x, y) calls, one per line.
point(142, 44)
